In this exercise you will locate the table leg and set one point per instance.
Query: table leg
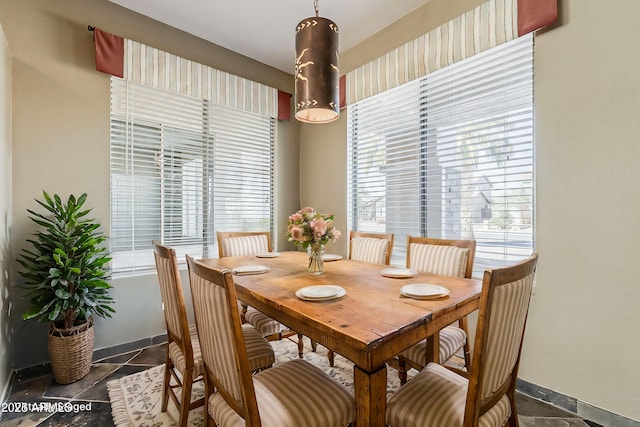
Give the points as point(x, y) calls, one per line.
point(433, 349)
point(371, 396)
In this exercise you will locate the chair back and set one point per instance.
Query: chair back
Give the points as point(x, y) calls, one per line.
point(221, 340)
point(240, 243)
point(175, 312)
point(441, 256)
point(374, 248)
point(504, 305)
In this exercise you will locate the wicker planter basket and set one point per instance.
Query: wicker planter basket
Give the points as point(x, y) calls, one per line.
point(71, 351)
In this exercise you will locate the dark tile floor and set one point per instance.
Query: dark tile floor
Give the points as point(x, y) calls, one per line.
point(36, 385)
point(87, 401)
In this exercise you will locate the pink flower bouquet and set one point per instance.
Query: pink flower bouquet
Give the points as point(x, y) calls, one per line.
point(310, 228)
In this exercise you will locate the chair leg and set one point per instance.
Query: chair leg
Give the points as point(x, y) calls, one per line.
point(208, 419)
point(300, 346)
point(402, 370)
point(513, 421)
point(513, 418)
point(464, 325)
point(243, 313)
point(165, 384)
point(208, 390)
point(185, 401)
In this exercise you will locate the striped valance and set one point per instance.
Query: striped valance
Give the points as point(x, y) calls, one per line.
point(148, 66)
point(152, 67)
point(488, 25)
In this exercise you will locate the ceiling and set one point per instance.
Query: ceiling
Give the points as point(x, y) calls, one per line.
point(265, 30)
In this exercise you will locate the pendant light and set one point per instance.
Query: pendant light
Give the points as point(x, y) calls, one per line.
point(316, 70)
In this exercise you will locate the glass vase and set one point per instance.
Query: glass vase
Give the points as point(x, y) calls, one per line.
point(316, 261)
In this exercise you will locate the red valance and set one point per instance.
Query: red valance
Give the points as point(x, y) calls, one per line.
point(284, 105)
point(535, 14)
point(109, 53)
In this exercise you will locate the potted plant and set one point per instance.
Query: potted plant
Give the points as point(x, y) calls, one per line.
point(66, 280)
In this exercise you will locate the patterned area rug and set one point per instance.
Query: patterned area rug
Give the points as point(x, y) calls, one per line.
point(136, 399)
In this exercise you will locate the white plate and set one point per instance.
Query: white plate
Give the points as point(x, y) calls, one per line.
point(398, 272)
point(424, 291)
point(320, 292)
point(268, 254)
point(250, 269)
point(331, 257)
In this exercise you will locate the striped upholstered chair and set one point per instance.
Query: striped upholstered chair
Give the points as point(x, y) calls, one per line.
point(241, 243)
point(184, 359)
point(448, 258)
point(374, 248)
point(293, 394)
point(485, 396)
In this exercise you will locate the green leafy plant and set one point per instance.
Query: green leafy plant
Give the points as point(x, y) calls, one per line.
point(65, 265)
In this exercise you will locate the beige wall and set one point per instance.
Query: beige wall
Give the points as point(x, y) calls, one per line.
point(61, 138)
point(582, 337)
point(6, 258)
point(323, 174)
point(583, 334)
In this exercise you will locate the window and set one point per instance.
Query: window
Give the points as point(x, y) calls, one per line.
point(181, 169)
point(450, 155)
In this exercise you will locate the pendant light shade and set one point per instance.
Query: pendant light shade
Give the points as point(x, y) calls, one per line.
point(316, 71)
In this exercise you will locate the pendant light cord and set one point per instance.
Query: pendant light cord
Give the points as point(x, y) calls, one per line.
point(315, 4)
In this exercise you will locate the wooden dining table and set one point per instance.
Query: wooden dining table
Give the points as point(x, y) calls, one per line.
point(369, 325)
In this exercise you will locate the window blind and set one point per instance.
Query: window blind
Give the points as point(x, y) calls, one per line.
point(183, 168)
point(450, 155)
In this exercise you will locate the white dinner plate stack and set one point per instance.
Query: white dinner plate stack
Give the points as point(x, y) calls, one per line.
point(424, 291)
point(268, 254)
point(320, 292)
point(398, 272)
